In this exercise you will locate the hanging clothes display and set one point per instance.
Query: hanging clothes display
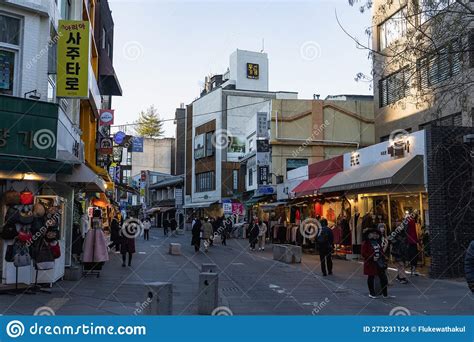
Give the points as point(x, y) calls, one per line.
point(318, 209)
point(346, 232)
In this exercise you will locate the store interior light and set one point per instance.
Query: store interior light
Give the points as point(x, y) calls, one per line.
point(29, 176)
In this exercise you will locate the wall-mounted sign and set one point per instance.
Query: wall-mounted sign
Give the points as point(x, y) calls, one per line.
point(29, 131)
point(227, 206)
point(263, 159)
point(263, 146)
point(73, 59)
point(262, 125)
point(263, 174)
point(266, 190)
point(119, 137)
point(106, 117)
point(253, 71)
point(143, 176)
point(106, 146)
point(137, 144)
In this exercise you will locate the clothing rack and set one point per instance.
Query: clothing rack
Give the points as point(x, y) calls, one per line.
point(93, 265)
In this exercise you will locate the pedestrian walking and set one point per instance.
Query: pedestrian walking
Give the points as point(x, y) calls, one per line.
point(375, 263)
point(325, 242)
point(173, 226)
point(207, 233)
point(413, 242)
point(196, 233)
point(396, 246)
point(262, 235)
point(226, 231)
point(127, 246)
point(115, 234)
point(253, 233)
point(166, 225)
point(146, 229)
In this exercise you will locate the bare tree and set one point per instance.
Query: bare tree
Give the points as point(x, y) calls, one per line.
point(427, 45)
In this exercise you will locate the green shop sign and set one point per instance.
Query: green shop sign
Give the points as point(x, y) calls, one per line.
point(28, 128)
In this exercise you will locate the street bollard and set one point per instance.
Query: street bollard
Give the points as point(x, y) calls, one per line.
point(175, 249)
point(208, 298)
point(159, 299)
point(209, 268)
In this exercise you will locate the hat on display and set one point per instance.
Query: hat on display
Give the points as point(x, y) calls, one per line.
point(39, 210)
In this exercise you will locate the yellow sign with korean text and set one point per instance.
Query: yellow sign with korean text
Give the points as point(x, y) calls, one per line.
point(73, 59)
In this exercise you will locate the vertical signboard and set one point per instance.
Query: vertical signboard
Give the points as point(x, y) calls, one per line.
point(73, 59)
point(262, 125)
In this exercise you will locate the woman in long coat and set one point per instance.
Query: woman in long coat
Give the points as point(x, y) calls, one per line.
point(374, 263)
point(196, 231)
point(115, 234)
point(127, 246)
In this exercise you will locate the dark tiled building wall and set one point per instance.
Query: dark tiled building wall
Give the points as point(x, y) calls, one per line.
point(450, 199)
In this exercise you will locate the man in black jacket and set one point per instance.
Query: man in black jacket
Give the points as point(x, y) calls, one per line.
point(469, 266)
point(325, 241)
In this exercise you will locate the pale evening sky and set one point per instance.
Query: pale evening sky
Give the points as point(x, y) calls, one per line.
point(164, 49)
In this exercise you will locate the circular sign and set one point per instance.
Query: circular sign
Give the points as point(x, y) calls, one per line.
point(106, 117)
point(119, 137)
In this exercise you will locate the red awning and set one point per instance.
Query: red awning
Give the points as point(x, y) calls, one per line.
point(311, 186)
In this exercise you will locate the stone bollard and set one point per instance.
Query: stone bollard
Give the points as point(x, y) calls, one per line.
point(159, 299)
point(209, 268)
point(175, 249)
point(208, 298)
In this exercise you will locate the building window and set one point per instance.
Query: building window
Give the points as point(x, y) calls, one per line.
point(65, 9)
point(209, 145)
point(250, 177)
point(431, 8)
point(440, 66)
point(393, 28)
point(52, 88)
point(250, 145)
point(235, 180)
point(9, 50)
point(292, 164)
point(205, 181)
point(450, 120)
point(393, 87)
point(199, 146)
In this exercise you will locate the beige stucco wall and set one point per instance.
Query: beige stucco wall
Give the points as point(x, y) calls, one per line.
point(156, 156)
point(314, 129)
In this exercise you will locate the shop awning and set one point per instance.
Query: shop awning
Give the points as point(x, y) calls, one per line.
point(312, 186)
point(271, 206)
point(405, 171)
point(256, 199)
point(85, 178)
point(36, 165)
point(101, 172)
point(158, 209)
point(199, 205)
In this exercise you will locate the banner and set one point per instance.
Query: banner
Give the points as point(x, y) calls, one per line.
point(106, 117)
point(73, 59)
point(160, 328)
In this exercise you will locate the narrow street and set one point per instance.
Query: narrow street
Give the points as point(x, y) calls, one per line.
point(249, 284)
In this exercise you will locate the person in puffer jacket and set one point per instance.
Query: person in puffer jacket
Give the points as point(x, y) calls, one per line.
point(469, 266)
